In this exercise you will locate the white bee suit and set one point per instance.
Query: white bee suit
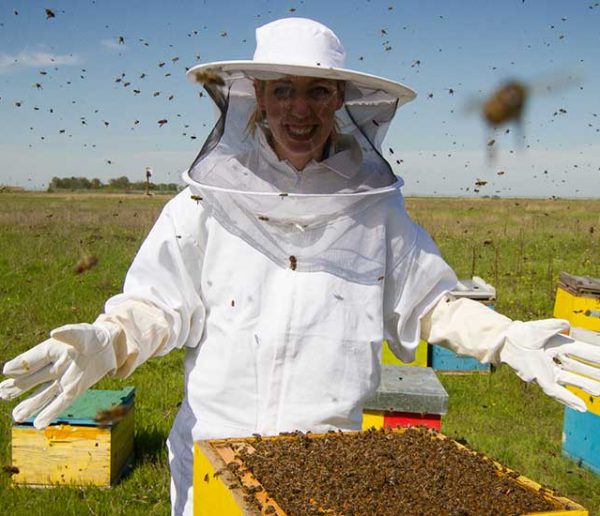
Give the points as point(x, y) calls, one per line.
point(277, 345)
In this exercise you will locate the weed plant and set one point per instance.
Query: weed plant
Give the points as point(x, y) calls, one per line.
point(517, 245)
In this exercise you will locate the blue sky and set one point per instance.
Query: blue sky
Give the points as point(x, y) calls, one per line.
point(95, 112)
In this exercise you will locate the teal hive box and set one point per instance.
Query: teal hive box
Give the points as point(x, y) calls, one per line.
point(89, 443)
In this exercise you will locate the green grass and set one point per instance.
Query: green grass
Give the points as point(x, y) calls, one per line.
point(519, 246)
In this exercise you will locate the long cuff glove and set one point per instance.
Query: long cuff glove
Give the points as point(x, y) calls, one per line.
point(535, 350)
point(74, 358)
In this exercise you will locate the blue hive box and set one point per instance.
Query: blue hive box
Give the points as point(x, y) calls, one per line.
point(581, 431)
point(447, 361)
point(581, 438)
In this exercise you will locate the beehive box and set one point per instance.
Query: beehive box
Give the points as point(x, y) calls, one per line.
point(447, 361)
point(578, 301)
point(406, 396)
point(89, 443)
point(401, 471)
point(421, 356)
point(581, 431)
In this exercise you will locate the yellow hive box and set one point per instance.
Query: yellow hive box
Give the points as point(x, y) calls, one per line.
point(212, 481)
point(421, 356)
point(90, 443)
point(578, 301)
point(591, 337)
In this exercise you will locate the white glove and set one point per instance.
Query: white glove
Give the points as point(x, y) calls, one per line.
point(537, 351)
point(72, 360)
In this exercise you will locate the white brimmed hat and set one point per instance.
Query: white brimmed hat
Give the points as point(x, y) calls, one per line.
point(298, 46)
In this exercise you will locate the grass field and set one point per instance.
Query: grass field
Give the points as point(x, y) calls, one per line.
point(517, 245)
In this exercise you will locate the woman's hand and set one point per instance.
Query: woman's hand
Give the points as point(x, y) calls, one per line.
point(74, 358)
point(537, 351)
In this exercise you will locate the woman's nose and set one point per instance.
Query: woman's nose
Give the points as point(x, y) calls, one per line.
point(300, 104)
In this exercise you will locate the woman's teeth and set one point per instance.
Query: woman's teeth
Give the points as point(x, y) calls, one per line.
point(300, 131)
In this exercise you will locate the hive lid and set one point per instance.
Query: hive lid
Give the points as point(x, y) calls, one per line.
point(474, 288)
point(84, 410)
point(409, 389)
point(585, 335)
point(579, 285)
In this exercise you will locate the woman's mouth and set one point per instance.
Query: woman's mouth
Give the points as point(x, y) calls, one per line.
point(300, 132)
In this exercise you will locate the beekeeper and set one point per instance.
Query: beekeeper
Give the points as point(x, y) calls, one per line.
point(284, 265)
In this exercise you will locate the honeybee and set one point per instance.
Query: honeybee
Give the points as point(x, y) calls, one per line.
point(209, 77)
point(293, 263)
point(111, 416)
point(507, 103)
point(11, 470)
point(86, 263)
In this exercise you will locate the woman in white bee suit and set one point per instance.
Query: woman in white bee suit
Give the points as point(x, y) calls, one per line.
point(283, 267)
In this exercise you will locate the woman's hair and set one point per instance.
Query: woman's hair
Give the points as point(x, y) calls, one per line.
point(257, 117)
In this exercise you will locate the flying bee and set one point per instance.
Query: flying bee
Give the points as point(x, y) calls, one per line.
point(111, 416)
point(11, 470)
point(209, 77)
point(507, 102)
point(85, 263)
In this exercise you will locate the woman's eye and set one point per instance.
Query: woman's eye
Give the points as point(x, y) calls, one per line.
point(320, 93)
point(282, 92)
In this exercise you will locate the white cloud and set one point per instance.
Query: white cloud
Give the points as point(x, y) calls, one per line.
point(534, 172)
point(112, 44)
point(28, 59)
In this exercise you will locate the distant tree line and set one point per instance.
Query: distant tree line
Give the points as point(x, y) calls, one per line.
point(117, 184)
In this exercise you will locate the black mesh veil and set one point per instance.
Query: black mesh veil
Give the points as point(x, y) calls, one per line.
point(366, 115)
point(279, 223)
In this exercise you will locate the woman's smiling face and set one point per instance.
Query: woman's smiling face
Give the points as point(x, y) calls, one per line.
point(300, 112)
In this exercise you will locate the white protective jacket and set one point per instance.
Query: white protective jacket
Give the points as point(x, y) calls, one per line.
point(283, 299)
point(287, 338)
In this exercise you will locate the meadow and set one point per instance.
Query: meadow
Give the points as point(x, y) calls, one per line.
point(517, 245)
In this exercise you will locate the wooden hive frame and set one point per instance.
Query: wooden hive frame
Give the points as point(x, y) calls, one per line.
point(223, 494)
